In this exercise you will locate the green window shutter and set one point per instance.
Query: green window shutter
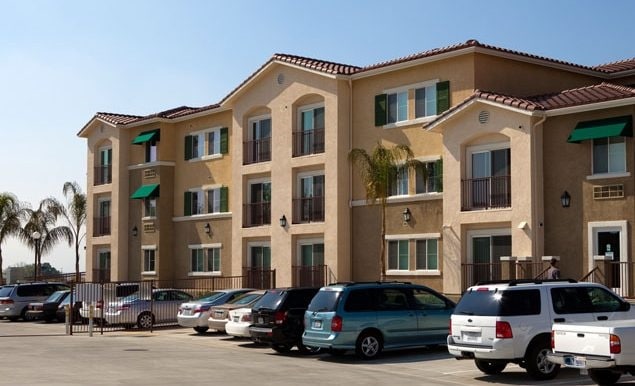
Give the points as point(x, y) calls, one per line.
point(381, 101)
point(443, 96)
point(439, 172)
point(187, 204)
point(224, 199)
point(224, 140)
point(188, 147)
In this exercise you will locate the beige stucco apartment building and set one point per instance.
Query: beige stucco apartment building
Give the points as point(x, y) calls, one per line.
point(262, 180)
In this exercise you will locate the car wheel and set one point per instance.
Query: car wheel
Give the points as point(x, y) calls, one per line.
point(308, 350)
point(537, 365)
point(200, 329)
point(490, 367)
point(145, 320)
point(368, 345)
point(281, 348)
point(604, 377)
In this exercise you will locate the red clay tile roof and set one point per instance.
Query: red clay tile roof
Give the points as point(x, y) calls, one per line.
point(621, 65)
point(568, 98)
point(117, 119)
point(318, 65)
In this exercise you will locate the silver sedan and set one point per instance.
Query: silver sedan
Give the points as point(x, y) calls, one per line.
point(139, 309)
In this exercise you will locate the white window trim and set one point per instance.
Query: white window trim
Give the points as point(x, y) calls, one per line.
point(302, 175)
point(407, 88)
point(594, 227)
point(252, 244)
point(204, 133)
point(397, 271)
point(482, 149)
point(149, 247)
point(204, 246)
point(427, 271)
point(594, 175)
point(483, 233)
point(302, 242)
point(148, 273)
point(413, 237)
point(601, 176)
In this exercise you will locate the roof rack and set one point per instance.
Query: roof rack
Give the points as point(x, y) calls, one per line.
point(526, 281)
point(350, 283)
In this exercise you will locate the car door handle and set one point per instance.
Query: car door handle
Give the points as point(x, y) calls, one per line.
point(603, 317)
point(558, 320)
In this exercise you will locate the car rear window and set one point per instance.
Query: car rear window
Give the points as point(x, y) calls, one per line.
point(499, 303)
point(271, 300)
point(211, 297)
point(325, 301)
point(6, 291)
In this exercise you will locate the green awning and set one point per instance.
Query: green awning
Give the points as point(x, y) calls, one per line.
point(146, 136)
point(602, 128)
point(146, 191)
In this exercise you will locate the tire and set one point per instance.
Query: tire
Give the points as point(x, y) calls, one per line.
point(281, 348)
point(369, 345)
point(307, 350)
point(604, 377)
point(537, 365)
point(490, 367)
point(201, 330)
point(145, 320)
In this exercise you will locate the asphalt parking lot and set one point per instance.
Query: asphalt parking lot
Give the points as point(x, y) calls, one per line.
point(35, 353)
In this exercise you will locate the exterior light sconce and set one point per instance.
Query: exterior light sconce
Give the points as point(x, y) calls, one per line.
point(283, 221)
point(135, 231)
point(565, 199)
point(406, 215)
point(207, 228)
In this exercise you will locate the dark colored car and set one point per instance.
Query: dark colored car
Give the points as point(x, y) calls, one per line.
point(60, 313)
point(47, 309)
point(278, 318)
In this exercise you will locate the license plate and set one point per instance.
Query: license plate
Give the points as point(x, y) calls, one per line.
point(219, 314)
point(317, 324)
point(261, 321)
point(236, 319)
point(187, 312)
point(471, 337)
point(111, 310)
point(575, 361)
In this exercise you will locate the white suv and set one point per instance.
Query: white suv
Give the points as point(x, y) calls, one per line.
point(498, 323)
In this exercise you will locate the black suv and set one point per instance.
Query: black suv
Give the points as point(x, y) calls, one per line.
point(278, 318)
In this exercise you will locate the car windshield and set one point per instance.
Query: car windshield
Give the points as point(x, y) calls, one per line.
point(211, 297)
point(325, 300)
point(270, 300)
point(130, 298)
point(56, 296)
point(499, 303)
point(6, 291)
point(246, 299)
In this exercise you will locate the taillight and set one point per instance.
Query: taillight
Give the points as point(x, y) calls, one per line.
point(100, 304)
point(504, 330)
point(615, 344)
point(450, 326)
point(336, 323)
point(123, 307)
point(280, 317)
point(246, 318)
point(6, 301)
point(553, 343)
point(200, 309)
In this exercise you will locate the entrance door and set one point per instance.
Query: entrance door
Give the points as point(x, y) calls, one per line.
point(609, 246)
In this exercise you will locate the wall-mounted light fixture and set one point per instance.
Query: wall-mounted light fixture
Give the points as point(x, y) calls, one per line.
point(135, 231)
point(283, 221)
point(565, 199)
point(406, 215)
point(207, 228)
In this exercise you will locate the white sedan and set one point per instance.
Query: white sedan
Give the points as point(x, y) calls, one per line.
point(195, 313)
point(239, 322)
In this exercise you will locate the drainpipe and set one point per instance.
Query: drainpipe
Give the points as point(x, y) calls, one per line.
point(535, 177)
point(350, 176)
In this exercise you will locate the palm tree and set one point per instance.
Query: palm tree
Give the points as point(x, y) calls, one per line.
point(11, 214)
point(43, 220)
point(378, 171)
point(75, 215)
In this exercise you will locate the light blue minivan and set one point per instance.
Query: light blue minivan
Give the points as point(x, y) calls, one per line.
point(371, 317)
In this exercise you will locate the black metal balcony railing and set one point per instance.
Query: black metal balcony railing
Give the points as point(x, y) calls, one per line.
point(308, 209)
point(261, 278)
point(258, 150)
point(309, 275)
point(256, 214)
point(308, 142)
point(101, 226)
point(103, 175)
point(486, 193)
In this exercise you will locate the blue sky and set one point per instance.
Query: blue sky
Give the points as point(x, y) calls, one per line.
point(63, 61)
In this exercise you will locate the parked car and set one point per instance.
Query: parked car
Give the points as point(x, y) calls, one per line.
point(195, 313)
point(101, 294)
point(47, 309)
point(372, 317)
point(219, 315)
point(15, 298)
point(278, 318)
point(499, 323)
point(60, 313)
point(139, 309)
point(238, 323)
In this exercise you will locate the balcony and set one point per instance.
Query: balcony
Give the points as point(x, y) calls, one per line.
point(258, 277)
point(309, 209)
point(101, 226)
point(308, 142)
point(309, 275)
point(258, 150)
point(101, 275)
point(103, 175)
point(256, 214)
point(486, 193)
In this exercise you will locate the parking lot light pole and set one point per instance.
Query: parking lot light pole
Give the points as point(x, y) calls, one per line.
point(36, 240)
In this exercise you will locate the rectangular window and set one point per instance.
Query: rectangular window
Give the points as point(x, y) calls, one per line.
point(398, 255)
point(260, 256)
point(428, 177)
point(427, 255)
point(151, 151)
point(609, 155)
point(213, 142)
point(197, 202)
point(149, 260)
point(312, 254)
point(213, 260)
point(397, 107)
point(399, 186)
point(198, 260)
point(213, 200)
point(150, 205)
point(426, 101)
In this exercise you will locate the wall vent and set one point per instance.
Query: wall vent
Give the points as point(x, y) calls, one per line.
point(605, 192)
point(483, 117)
